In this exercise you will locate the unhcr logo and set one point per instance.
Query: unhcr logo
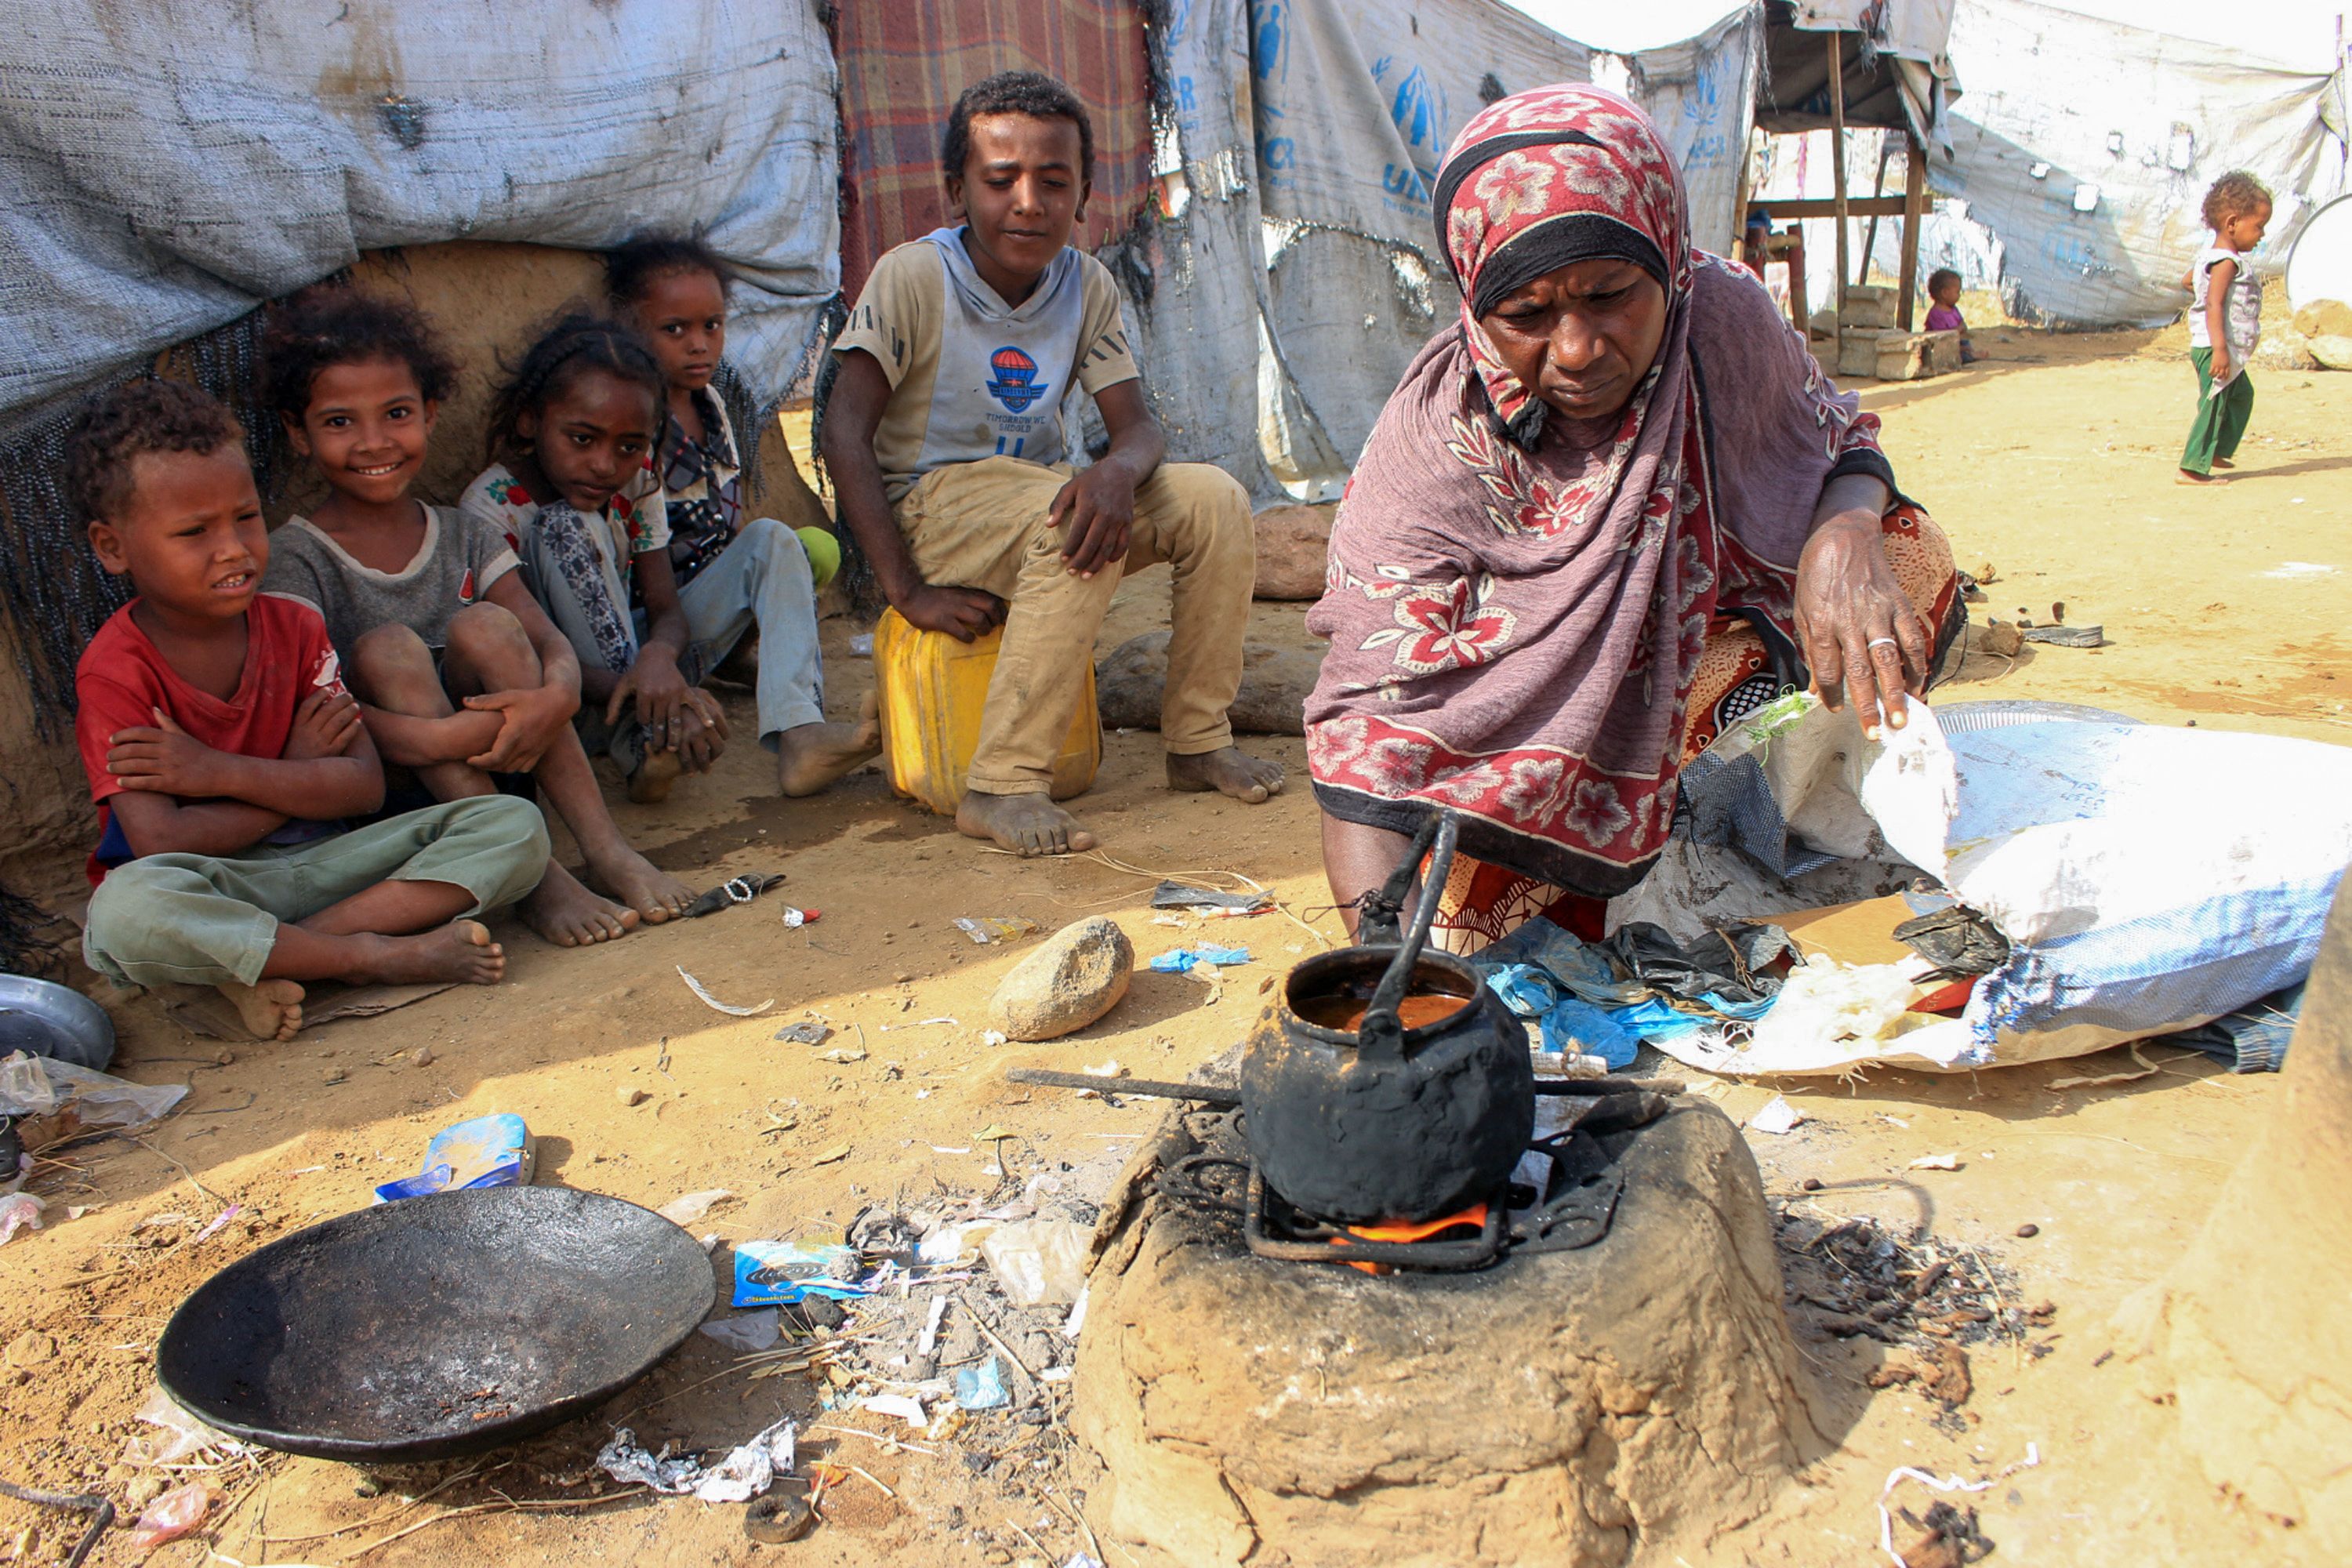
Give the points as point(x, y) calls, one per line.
point(1417, 109)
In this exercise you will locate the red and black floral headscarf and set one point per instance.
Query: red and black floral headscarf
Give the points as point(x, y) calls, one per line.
point(1515, 621)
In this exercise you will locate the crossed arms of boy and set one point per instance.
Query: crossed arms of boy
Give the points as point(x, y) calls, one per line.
point(180, 796)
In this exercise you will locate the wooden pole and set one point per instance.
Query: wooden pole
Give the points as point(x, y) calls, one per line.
point(1837, 164)
point(1878, 191)
point(1914, 207)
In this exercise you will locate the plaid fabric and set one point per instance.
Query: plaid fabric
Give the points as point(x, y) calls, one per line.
point(902, 67)
point(700, 488)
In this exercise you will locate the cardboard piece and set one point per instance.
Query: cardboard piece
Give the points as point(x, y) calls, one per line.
point(1864, 933)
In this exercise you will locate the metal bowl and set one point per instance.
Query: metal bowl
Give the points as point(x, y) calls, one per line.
point(52, 1020)
point(435, 1326)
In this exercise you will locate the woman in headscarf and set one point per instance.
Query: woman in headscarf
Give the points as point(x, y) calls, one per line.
point(1611, 512)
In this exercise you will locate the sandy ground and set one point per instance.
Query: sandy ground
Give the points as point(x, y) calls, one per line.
point(2053, 462)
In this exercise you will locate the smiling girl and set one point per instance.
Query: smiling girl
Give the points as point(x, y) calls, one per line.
point(459, 673)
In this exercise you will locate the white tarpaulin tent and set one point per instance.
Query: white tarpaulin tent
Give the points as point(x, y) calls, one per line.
point(2086, 145)
point(169, 168)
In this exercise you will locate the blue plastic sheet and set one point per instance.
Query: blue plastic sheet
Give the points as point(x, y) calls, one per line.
point(1184, 960)
point(1576, 1025)
point(980, 1387)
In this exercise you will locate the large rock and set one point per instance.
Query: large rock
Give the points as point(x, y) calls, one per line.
point(1066, 982)
point(2325, 326)
point(1292, 543)
point(1130, 679)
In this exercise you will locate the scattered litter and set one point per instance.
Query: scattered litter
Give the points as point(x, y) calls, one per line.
point(862, 646)
point(1936, 1162)
point(905, 1407)
point(2147, 1069)
point(182, 1436)
point(845, 1055)
point(742, 1474)
point(1039, 1262)
point(795, 919)
point(993, 1038)
point(220, 1220)
point(694, 1205)
point(1172, 895)
point(1080, 1559)
point(171, 1516)
point(953, 1244)
point(19, 1211)
point(950, 1149)
point(1107, 1069)
point(1075, 1324)
point(927, 1345)
point(981, 1387)
point(809, 1033)
point(1902, 1473)
point(2299, 569)
point(750, 1332)
point(494, 1150)
point(927, 1023)
point(42, 1086)
point(2068, 636)
point(837, 1152)
point(993, 1131)
point(768, 1273)
point(702, 991)
point(734, 890)
point(1777, 1116)
point(988, 929)
point(1183, 960)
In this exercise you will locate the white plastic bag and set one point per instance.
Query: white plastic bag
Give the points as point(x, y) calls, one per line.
point(1039, 1262)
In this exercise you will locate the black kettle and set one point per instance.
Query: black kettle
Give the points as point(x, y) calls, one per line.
point(1392, 1121)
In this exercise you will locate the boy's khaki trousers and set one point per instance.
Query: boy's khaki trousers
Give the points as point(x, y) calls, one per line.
point(983, 525)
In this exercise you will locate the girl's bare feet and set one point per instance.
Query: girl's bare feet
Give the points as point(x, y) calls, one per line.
point(2191, 477)
point(811, 757)
point(1028, 825)
point(1228, 771)
point(2223, 463)
point(652, 893)
point(272, 1010)
point(460, 952)
point(650, 785)
point(569, 915)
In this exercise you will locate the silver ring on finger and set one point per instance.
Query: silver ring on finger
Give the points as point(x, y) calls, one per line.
point(1884, 642)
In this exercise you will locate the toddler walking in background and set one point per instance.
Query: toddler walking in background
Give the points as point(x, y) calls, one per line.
point(224, 754)
point(734, 573)
point(1944, 310)
point(460, 673)
point(2225, 322)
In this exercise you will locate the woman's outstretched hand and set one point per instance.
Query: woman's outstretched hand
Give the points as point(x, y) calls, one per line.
point(1860, 632)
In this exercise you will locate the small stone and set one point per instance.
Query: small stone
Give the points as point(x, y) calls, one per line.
point(334, 1076)
point(1811, 1184)
point(32, 1348)
point(140, 1493)
point(630, 1094)
point(2029, 1230)
point(1065, 981)
point(1294, 546)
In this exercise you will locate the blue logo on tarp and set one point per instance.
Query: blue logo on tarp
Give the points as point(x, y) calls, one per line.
point(1016, 384)
point(1417, 109)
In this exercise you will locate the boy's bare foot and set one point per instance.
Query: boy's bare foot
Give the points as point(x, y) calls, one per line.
point(651, 892)
point(1229, 771)
point(650, 785)
point(1028, 825)
point(272, 1010)
point(2191, 477)
point(461, 950)
point(2223, 463)
point(811, 757)
point(569, 915)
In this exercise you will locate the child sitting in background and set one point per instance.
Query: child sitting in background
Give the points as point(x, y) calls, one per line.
point(221, 747)
point(461, 673)
point(569, 434)
point(733, 574)
point(1944, 310)
point(2225, 322)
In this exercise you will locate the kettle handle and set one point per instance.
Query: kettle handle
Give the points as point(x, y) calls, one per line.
point(1381, 1038)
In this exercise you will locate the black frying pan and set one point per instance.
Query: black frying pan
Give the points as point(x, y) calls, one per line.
point(435, 1326)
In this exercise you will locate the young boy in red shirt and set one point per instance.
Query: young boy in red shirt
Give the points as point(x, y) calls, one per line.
point(221, 749)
